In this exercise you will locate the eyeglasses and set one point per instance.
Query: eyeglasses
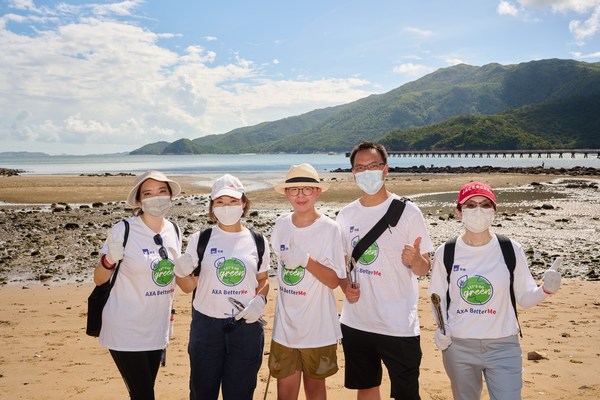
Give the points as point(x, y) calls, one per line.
point(295, 191)
point(474, 204)
point(162, 251)
point(371, 167)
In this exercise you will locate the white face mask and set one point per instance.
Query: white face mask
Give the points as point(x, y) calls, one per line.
point(369, 181)
point(157, 206)
point(478, 219)
point(228, 215)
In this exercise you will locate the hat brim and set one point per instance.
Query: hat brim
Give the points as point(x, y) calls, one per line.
point(478, 194)
point(131, 198)
point(282, 186)
point(227, 192)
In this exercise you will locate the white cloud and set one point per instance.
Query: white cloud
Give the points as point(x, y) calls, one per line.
point(507, 8)
point(581, 56)
point(412, 70)
point(86, 77)
point(581, 28)
point(454, 61)
point(418, 31)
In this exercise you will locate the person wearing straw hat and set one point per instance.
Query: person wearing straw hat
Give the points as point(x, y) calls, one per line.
point(379, 315)
point(135, 319)
point(478, 333)
point(310, 265)
point(225, 347)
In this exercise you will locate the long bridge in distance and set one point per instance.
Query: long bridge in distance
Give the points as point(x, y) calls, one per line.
point(562, 153)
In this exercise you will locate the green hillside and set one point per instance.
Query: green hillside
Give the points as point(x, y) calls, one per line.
point(546, 93)
point(560, 124)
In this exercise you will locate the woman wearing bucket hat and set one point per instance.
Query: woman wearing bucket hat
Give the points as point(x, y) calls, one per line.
point(477, 321)
point(135, 319)
point(311, 264)
point(225, 348)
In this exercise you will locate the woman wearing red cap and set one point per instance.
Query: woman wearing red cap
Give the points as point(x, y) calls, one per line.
point(478, 331)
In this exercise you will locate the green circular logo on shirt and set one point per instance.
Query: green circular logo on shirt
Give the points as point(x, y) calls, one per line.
point(370, 255)
point(292, 276)
point(231, 272)
point(476, 290)
point(162, 272)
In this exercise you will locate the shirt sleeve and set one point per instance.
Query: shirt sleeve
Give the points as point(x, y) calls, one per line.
point(527, 292)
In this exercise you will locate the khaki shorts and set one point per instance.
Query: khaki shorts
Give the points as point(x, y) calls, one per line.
point(315, 362)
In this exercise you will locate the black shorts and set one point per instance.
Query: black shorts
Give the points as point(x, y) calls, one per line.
point(364, 352)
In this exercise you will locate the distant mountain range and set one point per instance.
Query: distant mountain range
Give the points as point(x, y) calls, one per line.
point(534, 105)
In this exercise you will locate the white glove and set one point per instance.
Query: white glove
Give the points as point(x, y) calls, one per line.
point(294, 256)
point(184, 264)
point(115, 250)
point(253, 311)
point(552, 277)
point(442, 341)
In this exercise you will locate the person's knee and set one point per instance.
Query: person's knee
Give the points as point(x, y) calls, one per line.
point(314, 388)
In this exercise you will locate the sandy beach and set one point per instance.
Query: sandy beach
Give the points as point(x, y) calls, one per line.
point(51, 230)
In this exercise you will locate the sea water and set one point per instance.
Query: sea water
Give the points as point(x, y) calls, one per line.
point(256, 163)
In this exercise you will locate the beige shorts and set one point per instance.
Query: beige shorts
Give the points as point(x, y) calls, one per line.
point(314, 362)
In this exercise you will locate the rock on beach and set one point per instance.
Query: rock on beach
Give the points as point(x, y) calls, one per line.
point(59, 242)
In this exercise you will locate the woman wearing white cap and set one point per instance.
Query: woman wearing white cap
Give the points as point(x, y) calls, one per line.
point(477, 321)
point(135, 319)
point(308, 245)
point(225, 345)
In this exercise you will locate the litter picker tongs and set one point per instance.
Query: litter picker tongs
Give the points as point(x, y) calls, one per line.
point(240, 306)
point(437, 306)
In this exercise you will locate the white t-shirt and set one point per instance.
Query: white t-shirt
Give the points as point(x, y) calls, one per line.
point(137, 313)
point(229, 269)
point(480, 306)
point(389, 290)
point(306, 313)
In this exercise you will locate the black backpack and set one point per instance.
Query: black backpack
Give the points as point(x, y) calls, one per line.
point(508, 252)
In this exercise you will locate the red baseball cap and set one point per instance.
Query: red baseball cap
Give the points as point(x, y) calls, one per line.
point(475, 189)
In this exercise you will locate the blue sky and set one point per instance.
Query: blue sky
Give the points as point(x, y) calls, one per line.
point(80, 77)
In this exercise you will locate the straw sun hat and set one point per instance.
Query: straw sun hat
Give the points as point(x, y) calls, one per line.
point(157, 176)
point(301, 175)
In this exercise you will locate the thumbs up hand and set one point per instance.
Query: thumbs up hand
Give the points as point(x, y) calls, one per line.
point(183, 264)
point(411, 254)
point(115, 250)
point(294, 257)
point(552, 277)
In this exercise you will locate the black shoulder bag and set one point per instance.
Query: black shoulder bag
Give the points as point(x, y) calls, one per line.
point(99, 297)
point(389, 219)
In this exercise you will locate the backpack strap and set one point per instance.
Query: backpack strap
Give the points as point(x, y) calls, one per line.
point(201, 248)
point(125, 237)
point(508, 252)
point(449, 249)
point(259, 239)
point(176, 229)
point(389, 219)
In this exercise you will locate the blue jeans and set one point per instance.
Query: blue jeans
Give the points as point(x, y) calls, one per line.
point(225, 354)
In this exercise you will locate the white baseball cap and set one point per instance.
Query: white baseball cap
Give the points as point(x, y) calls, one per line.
point(227, 185)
